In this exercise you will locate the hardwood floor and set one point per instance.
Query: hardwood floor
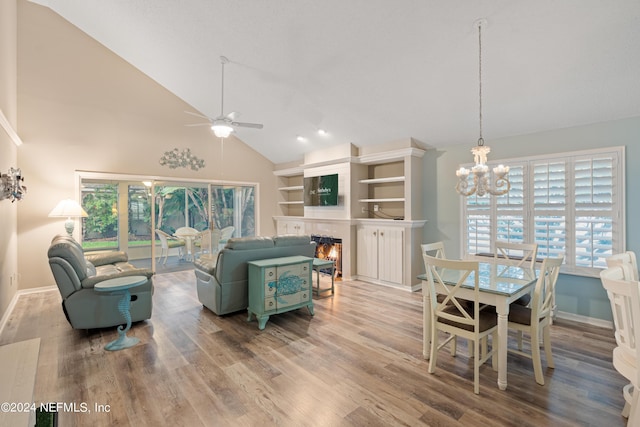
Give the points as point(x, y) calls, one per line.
point(357, 362)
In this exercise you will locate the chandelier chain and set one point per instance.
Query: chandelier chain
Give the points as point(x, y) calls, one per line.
point(480, 140)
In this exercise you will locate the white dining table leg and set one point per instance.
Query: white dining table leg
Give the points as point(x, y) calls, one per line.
point(426, 323)
point(503, 333)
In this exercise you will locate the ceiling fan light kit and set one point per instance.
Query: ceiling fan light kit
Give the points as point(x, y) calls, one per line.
point(221, 129)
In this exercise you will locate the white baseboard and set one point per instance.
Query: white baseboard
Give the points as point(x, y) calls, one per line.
point(14, 300)
point(584, 319)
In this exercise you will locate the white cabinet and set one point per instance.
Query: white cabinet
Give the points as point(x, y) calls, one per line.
point(380, 253)
point(290, 227)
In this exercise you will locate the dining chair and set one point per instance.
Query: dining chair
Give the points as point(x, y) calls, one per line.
point(167, 242)
point(624, 296)
point(454, 317)
point(208, 243)
point(627, 257)
point(522, 255)
point(225, 234)
point(537, 317)
point(435, 249)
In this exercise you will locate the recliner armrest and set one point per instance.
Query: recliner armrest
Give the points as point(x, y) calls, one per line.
point(90, 282)
point(112, 257)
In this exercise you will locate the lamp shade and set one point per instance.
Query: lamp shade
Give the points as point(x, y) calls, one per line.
point(68, 208)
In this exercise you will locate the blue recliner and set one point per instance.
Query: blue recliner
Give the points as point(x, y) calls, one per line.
point(77, 274)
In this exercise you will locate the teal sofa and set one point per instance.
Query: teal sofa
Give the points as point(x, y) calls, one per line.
point(222, 282)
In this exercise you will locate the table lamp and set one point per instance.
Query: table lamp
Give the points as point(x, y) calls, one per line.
point(70, 209)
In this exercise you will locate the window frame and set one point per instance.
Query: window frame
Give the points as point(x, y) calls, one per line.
point(570, 159)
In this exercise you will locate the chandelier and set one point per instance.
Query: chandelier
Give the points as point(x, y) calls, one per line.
point(481, 182)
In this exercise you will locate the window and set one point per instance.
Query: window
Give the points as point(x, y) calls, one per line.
point(234, 206)
point(100, 228)
point(571, 204)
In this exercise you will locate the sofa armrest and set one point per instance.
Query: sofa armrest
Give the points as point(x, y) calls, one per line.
point(112, 257)
point(90, 282)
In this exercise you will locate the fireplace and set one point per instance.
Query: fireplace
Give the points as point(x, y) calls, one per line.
point(329, 248)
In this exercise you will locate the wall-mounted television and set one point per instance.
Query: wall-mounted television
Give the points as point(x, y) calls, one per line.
point(321, 190)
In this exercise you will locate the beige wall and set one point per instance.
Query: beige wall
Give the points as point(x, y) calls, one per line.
point(8, 154)
point(84, 108)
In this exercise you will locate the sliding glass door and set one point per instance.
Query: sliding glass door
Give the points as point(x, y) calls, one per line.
point(120, 213)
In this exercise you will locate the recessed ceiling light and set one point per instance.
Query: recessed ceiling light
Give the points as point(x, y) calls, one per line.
point(301, 138)
point(322, 132)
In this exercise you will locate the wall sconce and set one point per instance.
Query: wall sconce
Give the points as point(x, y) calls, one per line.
point(70, 209)
point(10, 185)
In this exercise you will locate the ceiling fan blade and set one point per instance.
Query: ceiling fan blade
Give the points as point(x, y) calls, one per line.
point(197, 115)
point(233, 115)
point(247, 125)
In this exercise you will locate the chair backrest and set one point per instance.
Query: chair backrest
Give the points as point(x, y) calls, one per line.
point(163, 238)
point(543, 294)
point(435, 249)
point(205, 241)
point(457, 271)
point(226, 233)
point(627, 257)
point(624, 296)
point(523, 254)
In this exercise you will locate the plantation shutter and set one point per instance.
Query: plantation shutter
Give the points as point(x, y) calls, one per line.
point(594, 209)
point(510, 209)
point(570, 204)
point(550, 207)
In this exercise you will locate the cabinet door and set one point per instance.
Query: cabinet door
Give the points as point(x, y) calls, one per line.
point(390, 254)
point(367, 252)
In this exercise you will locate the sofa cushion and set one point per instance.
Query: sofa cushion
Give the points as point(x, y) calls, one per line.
point(206, 264)
point(247, 243)
point(291, 240)
point(111, 257)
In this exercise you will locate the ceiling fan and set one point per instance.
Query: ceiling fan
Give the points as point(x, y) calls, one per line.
point(223, 125)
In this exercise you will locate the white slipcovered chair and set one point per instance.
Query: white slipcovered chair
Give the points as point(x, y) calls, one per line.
point(624, 296)
point(167, 242)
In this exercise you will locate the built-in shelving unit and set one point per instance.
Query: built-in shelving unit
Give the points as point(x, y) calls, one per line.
point(291, 199)
point(380, 194)
point(382, 180)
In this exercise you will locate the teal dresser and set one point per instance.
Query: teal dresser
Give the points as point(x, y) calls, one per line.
point(278, 285)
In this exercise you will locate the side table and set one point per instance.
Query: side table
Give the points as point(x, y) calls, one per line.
point(320, 264)
point(121, 286)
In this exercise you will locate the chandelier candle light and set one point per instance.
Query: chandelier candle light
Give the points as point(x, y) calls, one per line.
point(481, 184)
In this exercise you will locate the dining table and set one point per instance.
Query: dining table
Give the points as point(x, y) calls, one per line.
point(500, 284)
point(189, 235)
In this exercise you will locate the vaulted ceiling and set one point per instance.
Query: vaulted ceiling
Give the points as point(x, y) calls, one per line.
point(374, 71)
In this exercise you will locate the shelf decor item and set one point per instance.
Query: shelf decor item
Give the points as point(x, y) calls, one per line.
point(481, 183)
